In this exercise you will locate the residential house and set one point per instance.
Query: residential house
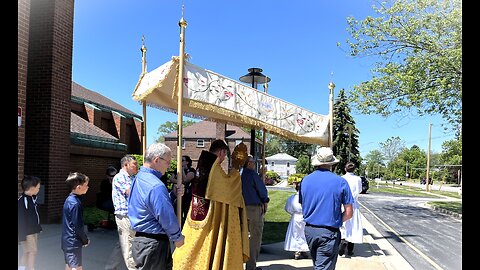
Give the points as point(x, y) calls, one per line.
point(281, 163)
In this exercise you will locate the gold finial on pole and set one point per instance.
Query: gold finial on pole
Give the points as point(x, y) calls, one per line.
point(331, 86)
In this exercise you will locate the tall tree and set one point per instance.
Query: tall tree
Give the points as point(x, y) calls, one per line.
point(418, 50)
point(391, 148)
point(345, 134)
point(374, 161)
point(451, 157)
point(169, 127)
point(274, 145)
point(411, 161)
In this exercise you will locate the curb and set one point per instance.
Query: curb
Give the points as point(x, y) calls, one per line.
point(444, 211)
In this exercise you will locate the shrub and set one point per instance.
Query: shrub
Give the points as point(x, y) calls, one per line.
point(297, 177)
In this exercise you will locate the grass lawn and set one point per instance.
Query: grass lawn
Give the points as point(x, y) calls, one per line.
point(276, 219)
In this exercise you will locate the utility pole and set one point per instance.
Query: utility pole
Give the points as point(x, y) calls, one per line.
point(427, 182)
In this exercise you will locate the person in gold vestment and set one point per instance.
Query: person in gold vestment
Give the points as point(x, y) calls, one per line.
point(216, 229)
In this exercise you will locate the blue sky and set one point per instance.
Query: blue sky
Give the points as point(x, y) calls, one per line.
point(294, 42)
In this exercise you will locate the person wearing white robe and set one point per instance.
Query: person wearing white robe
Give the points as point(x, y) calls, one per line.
point(295, 236)
point(352, 229)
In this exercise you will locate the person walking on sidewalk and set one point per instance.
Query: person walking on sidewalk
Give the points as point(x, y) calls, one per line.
point(322, 194)
point(122, 252)
point(151, 212)
point(295, 236)
point(352, 229)
point(28, 222)
point(256, 199)
point(74, 237)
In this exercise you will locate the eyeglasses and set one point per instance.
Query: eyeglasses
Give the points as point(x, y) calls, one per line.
point(168, 161)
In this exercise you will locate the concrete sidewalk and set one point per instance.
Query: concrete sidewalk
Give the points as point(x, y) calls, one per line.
point(374, 254)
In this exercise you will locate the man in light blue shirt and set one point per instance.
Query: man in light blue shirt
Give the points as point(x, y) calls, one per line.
point(151, 212)
point(122, 252)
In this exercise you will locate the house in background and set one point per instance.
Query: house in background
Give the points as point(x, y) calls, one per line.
point(281, 163)
point(200, 135)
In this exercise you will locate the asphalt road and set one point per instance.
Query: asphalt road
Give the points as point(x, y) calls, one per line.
point(425, 238)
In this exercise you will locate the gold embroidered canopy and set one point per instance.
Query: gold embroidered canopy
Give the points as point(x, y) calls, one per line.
point(211, 96)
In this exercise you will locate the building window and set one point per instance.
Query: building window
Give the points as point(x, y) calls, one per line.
point(200, 143)
point(183, 143)
point(288, 164)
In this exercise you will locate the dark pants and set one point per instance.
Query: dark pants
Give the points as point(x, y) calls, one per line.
point(152, 254)
point(323, 244)
point(346, 245)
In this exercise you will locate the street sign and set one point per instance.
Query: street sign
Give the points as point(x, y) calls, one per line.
point(19, 116)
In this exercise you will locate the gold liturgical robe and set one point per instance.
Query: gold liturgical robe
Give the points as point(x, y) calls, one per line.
point(220, 241)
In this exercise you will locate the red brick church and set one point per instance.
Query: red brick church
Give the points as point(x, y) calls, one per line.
point(64, 127)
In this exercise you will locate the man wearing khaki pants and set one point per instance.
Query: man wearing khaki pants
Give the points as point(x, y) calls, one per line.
point(256, 200)
point(120, 191)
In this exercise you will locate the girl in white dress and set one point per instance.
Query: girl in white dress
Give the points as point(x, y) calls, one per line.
point(295, 236)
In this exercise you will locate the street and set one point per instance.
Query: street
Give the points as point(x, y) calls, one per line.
point(425, 238)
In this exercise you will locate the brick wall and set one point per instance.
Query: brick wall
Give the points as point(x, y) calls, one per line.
point(49, 80)
point(94, 115)
point(94, 167)
point(120, 126)
point(23, 28)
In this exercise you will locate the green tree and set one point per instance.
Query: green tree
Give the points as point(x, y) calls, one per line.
point(169, 127)
point(345, 138)
point(451, 157)
point(303, 165)
point(417, 45)
point(274, 145)
point(391, 148)
point(374, 160)
point(297, 149)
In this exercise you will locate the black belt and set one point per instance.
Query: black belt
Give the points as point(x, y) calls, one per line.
point(156, 236)
point(322, 226)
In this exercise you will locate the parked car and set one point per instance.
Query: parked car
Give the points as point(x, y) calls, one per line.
point(365, 184)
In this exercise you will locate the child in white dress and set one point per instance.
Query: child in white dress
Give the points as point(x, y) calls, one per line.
point(295, 236)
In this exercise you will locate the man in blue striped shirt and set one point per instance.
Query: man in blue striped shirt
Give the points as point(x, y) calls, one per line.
point(151, 212)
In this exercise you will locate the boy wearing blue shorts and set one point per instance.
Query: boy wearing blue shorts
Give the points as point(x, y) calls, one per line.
point(74, 237)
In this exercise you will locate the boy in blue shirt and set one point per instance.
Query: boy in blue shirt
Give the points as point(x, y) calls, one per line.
point(73, 232)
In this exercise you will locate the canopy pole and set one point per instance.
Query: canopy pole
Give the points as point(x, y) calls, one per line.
point(264, 169)
point(144, 139)
point(183, 24)
point(144, 103)
point(331, 86)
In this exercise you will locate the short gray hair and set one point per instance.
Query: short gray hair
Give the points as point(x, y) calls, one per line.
point(127, 159)
point(156, 150)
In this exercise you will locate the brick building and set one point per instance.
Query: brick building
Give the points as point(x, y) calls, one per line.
point(200, 135)
point(64, 127)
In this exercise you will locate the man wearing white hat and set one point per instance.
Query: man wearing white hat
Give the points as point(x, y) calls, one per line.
point(322, 194)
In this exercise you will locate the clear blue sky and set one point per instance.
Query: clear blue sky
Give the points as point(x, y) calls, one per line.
point(294, 42)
